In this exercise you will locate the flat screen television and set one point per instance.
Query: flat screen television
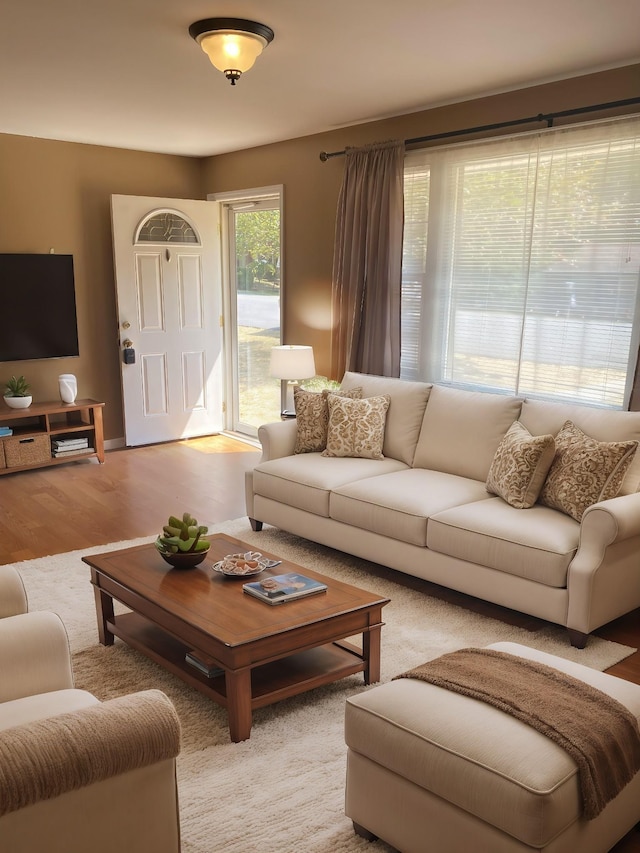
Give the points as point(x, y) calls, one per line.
point(38, 303)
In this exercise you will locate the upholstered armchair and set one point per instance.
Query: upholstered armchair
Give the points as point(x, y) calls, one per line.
point(77, 774)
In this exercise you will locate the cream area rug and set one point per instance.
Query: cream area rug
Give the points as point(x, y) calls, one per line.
point(282, 791)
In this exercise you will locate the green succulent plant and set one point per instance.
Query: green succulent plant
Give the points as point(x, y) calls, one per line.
point(17, 387)
point(182, 536)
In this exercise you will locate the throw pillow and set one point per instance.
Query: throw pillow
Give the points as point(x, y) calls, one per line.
point(312, 417)
point(520, 466)
point(585, 471)
point(356, 427)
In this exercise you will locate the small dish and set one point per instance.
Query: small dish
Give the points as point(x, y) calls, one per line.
point(241, 565)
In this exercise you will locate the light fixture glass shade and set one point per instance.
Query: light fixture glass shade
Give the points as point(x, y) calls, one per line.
point(232, 44)
point(232, 51)
point(292, 362)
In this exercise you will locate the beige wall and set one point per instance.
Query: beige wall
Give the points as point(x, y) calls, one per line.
point(311, 187)
point(57, 194)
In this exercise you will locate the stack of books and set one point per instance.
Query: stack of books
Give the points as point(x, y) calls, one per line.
point(4, 431)
point(70, 446)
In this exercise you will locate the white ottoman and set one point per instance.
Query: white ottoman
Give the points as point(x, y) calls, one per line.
point(432, 770)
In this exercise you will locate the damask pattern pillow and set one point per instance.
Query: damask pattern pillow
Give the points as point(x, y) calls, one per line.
point(585, 471)
point(312, 417)
point(356, 427)
point(520, 466)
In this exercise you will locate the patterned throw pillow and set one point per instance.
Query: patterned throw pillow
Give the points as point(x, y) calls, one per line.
point(312, 417)
point(356, 427)
point(585, 471)
point(520, 466)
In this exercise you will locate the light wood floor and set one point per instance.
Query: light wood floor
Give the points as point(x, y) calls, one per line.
point(81, 504)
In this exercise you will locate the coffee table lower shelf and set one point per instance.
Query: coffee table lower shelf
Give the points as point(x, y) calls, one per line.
point(270, 682)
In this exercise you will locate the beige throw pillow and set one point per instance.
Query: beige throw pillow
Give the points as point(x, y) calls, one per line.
point(520, 466)
point(585, 471)
point(312, 417)
point(356, 427)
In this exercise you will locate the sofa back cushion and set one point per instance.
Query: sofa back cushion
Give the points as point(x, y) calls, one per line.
point(461, 430)
point(406, 410)
point(541, 416)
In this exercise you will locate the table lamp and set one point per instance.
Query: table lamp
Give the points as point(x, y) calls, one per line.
point(291, 364)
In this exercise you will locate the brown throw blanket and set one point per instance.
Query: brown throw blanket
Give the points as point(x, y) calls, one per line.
point(598, 732)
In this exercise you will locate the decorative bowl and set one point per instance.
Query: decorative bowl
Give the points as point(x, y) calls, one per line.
point(241, 565)
point(182, 559)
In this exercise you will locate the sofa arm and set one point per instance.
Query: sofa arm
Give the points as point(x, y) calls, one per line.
point(34, 655)
point(277, 439)
point(46, 758)
point(13, 598)
point(603, 578)
point(610, 521)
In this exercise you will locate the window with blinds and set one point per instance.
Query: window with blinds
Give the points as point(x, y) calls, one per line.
point(521, 264)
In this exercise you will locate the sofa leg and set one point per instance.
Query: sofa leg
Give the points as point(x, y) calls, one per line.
point(255, 524)
point(364, 833)
point(577, 639)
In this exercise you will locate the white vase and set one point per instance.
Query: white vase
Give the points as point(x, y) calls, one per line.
point(68, 387)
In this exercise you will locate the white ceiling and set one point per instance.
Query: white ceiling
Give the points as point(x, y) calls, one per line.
point(126, 73)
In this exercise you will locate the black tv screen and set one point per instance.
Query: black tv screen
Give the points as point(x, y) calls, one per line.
point(38, 300)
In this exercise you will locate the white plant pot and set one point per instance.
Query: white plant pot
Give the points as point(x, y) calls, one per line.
point(18, 402)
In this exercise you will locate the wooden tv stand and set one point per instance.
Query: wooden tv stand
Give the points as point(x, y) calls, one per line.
point(37, 426)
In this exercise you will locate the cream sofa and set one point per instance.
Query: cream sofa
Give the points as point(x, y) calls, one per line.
point(424, 508)
point(76, 774)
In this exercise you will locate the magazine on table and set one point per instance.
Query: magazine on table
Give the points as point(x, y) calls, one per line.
point(281, 588)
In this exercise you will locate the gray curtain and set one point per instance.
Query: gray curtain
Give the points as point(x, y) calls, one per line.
point(367, 262)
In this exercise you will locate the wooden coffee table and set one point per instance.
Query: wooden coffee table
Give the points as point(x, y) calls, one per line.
point(267, 653)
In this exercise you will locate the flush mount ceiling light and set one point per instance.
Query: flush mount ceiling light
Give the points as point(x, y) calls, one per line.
point(232, 44)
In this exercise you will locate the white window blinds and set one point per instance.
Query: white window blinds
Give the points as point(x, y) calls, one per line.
point(521, 264)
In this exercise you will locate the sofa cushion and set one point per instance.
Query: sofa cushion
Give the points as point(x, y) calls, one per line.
point(306, 480)
point(356, 427)
point(312, 417)
point(538, 544)
point(461, 431)
point(41, 706)
point(540, 416)
point(520, 466)
point(406, 410)
point(585, 471)
point(398, 505)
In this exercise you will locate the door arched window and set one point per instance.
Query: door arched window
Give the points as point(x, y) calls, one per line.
point(166, 226)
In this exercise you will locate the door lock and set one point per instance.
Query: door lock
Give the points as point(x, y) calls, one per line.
point(128, 353)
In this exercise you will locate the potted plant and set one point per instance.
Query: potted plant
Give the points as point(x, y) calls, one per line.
point(16, 394)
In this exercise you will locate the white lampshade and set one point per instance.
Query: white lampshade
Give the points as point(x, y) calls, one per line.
point(292, 362)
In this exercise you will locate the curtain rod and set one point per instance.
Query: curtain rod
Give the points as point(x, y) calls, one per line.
point(548, 117)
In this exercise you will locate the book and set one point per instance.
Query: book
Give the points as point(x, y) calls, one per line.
point(281, 588)
point(72, 452)
point(206, 665)
point(6, 431)
point(68, 443)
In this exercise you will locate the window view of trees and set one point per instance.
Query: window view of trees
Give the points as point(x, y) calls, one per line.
point(257, 259)
point(258, 251)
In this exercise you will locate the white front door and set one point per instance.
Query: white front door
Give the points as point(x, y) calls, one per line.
point(169, 302)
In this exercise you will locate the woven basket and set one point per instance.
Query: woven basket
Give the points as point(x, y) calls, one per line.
point(3, 463)
point(31, 450)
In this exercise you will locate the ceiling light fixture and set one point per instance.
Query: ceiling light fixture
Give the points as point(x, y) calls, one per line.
point(232, 44)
